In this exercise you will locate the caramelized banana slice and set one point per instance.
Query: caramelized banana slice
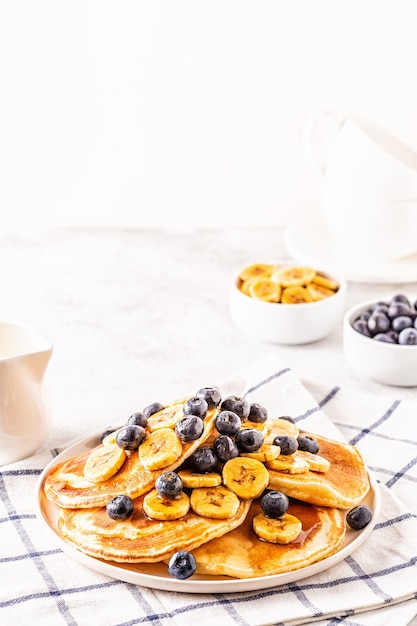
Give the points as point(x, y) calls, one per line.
point(263, 428)
point(282, 529)
point(192, 479)
point(264, 289)
point(325, 281)
point(246, 477)
point(294, 275)
point(163, 509)
point(104, 462)
point(316, 462)
point(217, 502)
point(267, 452)
point(295, 295)
point(166, 418)
point(160, 448)
point(257, 270)
point(289, 464)
point(317, 292)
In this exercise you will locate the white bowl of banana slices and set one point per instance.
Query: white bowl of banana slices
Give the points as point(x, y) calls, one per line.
point(287, 303)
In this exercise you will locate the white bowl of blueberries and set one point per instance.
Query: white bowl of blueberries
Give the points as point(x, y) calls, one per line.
point(380, 340)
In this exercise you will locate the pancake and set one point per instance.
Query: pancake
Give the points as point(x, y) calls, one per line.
point(242, 555)
point(139, 539)
point(343, 486)
point(67, 487)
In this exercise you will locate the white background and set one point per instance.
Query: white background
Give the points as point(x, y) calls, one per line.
point(187, 113)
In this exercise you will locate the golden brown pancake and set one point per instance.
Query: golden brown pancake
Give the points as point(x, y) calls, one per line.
point(139, 539)
point(242, 555)
point(343, 486)
point(67, 487)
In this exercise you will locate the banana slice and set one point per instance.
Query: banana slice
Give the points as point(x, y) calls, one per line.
point(263, 428)
point(247, 478)
point(267, 452)
point(289, 464)
point(256, 270)
point(104, 462)
point(164, 509)
point(166, 418)
point(325, 281)
point(264, 289)
point(295, 295)
point(192, 479)
point(316, 462)
point(317, 292)
point(160, 448)
point(282, 529)
point(216, 502)
point(294, 275)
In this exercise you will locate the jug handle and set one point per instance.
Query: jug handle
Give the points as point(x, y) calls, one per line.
point(320, 131)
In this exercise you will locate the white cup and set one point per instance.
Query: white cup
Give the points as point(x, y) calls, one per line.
point(368, 184)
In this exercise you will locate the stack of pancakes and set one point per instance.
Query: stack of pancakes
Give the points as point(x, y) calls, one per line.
point(320, 490)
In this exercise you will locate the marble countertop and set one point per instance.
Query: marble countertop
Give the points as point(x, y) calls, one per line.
point(139, 315)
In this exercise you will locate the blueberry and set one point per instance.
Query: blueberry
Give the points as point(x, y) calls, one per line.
point(378, 323)
point(380, 307)
point(408, 337)
point(195, 406)
point(240, 406)
point(401, 322)
point(106, 433)
point(400, 297)
point(398, 308)
point(228, 423)
point(274, 503)
point(189, 428)
point(249, 439)
point(138, 419)
point(203, 459)
point(130, 437)
point(152, 408)
point(120, 507)
point(288, 418)
point(169, 485)
point(361, 326)
point(225, 448)
point(385, 337)
point(182, 565)
point(211, 395)
point(359, 517)
point(308, 444)
point(257, 413)
point(288, 444)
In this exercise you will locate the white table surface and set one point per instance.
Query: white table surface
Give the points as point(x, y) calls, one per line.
point(135, 316)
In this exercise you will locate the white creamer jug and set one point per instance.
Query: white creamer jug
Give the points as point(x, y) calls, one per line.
point(24, 411)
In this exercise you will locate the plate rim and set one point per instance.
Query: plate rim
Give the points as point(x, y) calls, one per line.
point(203, 584)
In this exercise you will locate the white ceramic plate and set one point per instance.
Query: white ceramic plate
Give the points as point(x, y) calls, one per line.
point(156, 576)
point(308, 241)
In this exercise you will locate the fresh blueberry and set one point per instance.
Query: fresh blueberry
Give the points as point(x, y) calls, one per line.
point(359, 517)
point(225, 448)
point(257, 413)
point(130, 437)
point(274, 504)
point(195, 406)
point(249, 439)
point(240, 406)
point(408, 337)
point(211, 395)
point(400, 297)
point(380, 307)
point(385, 337)
point(168, 485)
point(288, 444)
point(138, 419)
point(228, 423)
point(308, 444)
point(401, 322)
point(106, 433)
point(397, 308)
point(378, 323)
point(189, 428)
point(152, 408)
point(182, 565)
point(120, 507)
point(361, 326)
point(203, 459)
point(288, 418)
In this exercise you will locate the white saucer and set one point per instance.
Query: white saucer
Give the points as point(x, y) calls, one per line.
point(308, 241)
